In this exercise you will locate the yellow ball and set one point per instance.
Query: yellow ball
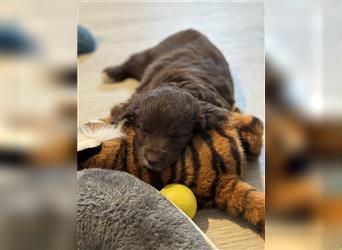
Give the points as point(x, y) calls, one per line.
point(182, 197)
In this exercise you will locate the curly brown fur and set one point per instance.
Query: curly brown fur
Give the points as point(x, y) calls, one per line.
point(185, 85)
point(211, 165)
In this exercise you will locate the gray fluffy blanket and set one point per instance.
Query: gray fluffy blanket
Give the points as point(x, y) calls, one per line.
point(115, 210)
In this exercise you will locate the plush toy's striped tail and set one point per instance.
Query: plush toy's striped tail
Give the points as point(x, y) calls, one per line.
point(239, 198)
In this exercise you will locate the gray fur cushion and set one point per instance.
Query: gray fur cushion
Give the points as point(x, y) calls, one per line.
point(115, 210)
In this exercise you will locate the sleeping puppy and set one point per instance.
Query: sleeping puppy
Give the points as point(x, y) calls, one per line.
point(186, 87)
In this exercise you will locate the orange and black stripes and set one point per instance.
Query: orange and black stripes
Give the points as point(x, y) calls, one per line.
point(196, 164)
point(136, 157)
point(233, 195)
point(250, 134)
point(217, 162)
point(124, 159)
point(172, 173)
point(118, 155)
point(211, 165)
point(245, 197)
point(233, 150)
point(216, 159)
point(182, 172)
point(232, 189)
point(190, 158)
point(83, 156)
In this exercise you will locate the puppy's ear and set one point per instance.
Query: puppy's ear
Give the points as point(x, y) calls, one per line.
point(210, 116)
point(125, 111)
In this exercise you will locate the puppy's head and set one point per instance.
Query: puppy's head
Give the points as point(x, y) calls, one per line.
point(165, 120)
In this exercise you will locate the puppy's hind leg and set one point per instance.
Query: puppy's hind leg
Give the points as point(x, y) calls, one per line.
point(134, 67)
point(114, 74)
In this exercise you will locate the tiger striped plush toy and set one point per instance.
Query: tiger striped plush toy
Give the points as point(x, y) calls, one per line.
point(211, 165)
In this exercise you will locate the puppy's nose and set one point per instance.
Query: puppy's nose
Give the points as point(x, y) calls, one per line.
point(152, 159)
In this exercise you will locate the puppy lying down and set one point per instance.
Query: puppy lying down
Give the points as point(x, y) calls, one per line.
point(185, 87)
point(182, 126)
point(211, 165)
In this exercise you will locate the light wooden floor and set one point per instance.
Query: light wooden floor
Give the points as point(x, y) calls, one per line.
point(125, 28)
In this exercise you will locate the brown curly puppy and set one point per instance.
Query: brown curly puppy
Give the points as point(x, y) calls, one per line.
point(186, 86)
